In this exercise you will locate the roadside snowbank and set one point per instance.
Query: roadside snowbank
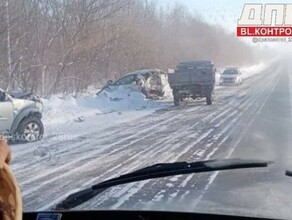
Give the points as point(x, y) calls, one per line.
point(65, 110)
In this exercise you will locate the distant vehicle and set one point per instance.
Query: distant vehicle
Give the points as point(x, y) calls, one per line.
point(20, 118)
point(151, 82)
point(231, 75)
point(195, 79)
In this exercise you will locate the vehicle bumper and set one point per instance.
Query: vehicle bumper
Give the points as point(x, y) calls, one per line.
point(228, 82)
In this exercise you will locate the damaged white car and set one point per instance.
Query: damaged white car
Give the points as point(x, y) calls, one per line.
point(153, 83)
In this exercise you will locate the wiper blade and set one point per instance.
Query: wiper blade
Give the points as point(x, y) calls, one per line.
point(158, 171)
point(288, 173)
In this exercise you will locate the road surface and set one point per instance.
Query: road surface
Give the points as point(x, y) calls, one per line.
point(249, 121)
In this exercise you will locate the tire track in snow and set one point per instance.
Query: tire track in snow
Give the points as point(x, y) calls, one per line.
point(163, 148)
point(20, 150)
point(138, 164)
point(210, 154)
point(136, 134)
point(114, 193)
point(263, 97)
point(96, 152)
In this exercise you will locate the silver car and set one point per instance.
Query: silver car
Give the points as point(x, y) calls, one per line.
point(20, 118)
point(231, 75)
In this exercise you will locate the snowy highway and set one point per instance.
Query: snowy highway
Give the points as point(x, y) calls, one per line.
point(49, 170)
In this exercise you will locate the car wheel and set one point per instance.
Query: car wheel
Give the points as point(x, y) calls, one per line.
point(209, 99)
point(176, 97)
point(30, 129)
point(176, 101)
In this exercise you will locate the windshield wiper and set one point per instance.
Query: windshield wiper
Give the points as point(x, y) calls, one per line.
point(158, 171)
point(288, 173)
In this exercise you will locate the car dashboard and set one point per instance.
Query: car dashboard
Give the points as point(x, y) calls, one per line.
point(129, 215)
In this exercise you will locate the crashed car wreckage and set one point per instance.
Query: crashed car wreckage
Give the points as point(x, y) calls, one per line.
point(151, 82)
point(25, 95)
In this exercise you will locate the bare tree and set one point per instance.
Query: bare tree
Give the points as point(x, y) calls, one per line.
point(9, 58)
point(52, 46)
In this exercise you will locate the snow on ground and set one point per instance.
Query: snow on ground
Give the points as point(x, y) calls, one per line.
point(62, 114)
point(66, 114)
point(192, 133)
point(249, 71)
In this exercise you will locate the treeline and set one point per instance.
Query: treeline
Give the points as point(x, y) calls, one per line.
point(53, 46)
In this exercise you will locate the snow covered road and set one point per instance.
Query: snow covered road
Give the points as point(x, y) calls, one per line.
point(51, 169)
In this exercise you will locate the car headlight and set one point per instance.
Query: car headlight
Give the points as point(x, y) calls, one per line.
point(40, 106)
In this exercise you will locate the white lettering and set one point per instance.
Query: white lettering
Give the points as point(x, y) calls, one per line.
point(279, 14)
point(243, 31)
point(288, 14)
point(251, 15)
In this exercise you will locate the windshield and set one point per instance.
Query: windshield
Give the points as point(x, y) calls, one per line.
point(230, 72)
point(125, 85)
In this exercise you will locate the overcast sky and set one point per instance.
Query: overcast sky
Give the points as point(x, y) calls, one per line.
point(224, 12)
